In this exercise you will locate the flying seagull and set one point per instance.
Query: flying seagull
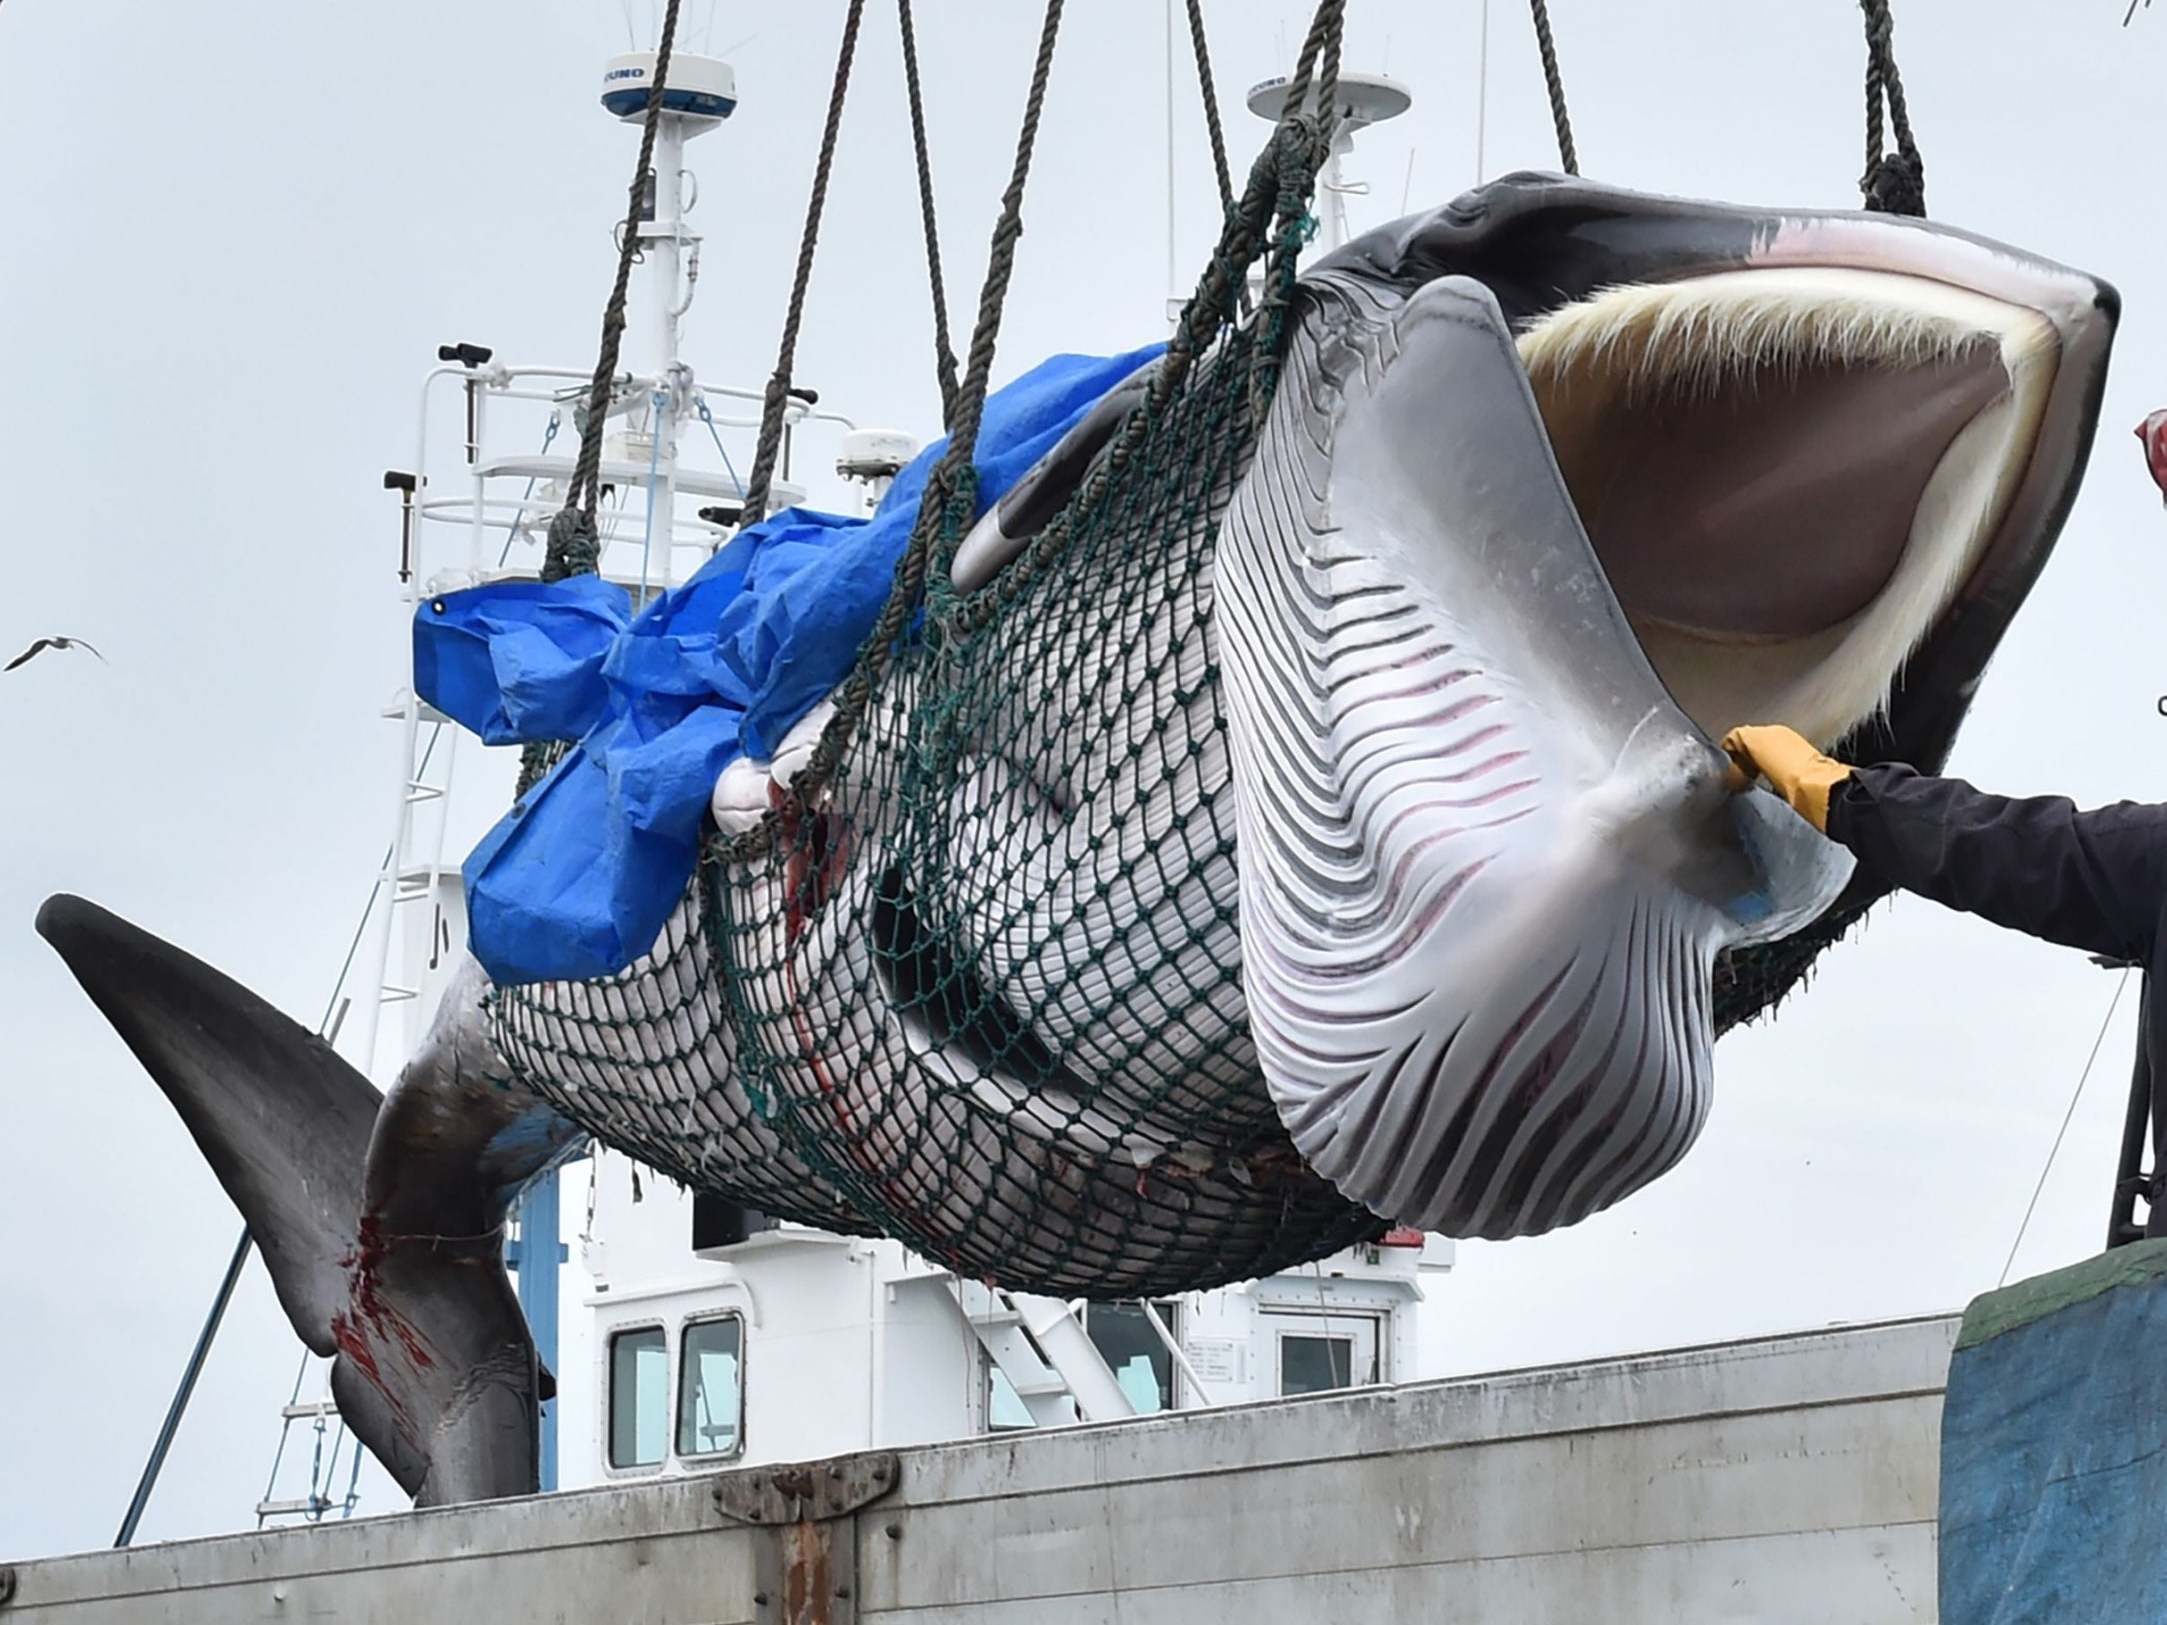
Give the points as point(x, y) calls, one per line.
point(44, 644)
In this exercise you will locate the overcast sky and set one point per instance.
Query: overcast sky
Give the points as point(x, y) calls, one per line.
point(231, 237)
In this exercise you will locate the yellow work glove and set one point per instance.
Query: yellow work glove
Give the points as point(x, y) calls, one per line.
point(1794, 769)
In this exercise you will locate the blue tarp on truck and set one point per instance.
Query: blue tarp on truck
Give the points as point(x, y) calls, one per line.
point(2054, 1449)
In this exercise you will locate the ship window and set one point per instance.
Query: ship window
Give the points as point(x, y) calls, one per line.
point(711, 1387)
point(1314, 1365)
point(1327, 1348)
point(639, 1397)
point(1140, 1359)
point(1321, 1351)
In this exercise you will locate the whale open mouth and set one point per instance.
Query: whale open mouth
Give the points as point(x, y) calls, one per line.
point(1487, 599)
point(1788, 473)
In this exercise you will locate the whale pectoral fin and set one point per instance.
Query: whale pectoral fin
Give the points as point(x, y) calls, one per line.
point(1486, 862)
point(281, 1119)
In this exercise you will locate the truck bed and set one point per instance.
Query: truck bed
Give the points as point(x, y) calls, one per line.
point(1781, 1479)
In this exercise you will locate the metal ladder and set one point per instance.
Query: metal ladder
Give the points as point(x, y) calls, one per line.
point(414, 867)
point(323, 1494)
point(1038, 1344)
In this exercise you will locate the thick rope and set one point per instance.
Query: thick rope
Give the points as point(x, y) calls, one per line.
point(777, 398)
point(944, 354)
point(575, 546)
point(1287, 168)
point(1001, 262)
point(1894, 182)
point(1297, 148)
point(1279, 183)
point(1304, 148)
point(1568, 155)
point(1209, 87)
point(1279, 186)
point(949, 491)
point(585, 487)
point(1322, 42)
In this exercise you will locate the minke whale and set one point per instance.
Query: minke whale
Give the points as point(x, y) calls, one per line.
point(1559, 483)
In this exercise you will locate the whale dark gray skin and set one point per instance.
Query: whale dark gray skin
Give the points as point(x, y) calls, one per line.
point(1560, 482)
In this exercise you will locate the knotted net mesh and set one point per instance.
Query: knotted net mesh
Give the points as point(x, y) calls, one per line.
point(976, 982)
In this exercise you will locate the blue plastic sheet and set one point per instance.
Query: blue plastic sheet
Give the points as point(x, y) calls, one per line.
point(2054, 1449)
point(520, 660)
point(577, 880)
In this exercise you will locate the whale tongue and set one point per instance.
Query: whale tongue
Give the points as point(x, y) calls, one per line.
point(1486, 861)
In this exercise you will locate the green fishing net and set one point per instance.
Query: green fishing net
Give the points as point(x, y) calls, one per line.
point(976, 983)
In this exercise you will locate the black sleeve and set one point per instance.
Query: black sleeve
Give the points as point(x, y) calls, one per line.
point(2090, 880)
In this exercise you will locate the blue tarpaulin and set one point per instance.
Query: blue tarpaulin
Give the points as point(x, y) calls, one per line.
point(520, 660)
point(577, 880)
point(2054, 1449)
